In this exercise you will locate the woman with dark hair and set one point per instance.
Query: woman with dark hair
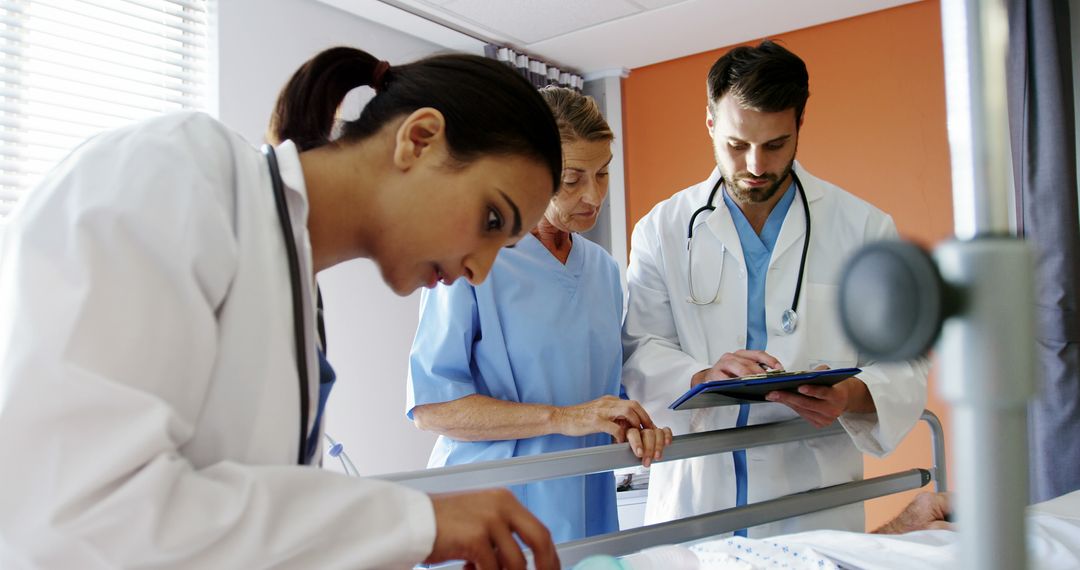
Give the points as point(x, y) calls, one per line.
point(531, 361)
point(158, 302)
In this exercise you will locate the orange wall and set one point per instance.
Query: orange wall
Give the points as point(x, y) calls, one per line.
point(875, 125)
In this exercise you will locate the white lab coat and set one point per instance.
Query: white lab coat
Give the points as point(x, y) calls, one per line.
point(148, 389)
point(667, 339)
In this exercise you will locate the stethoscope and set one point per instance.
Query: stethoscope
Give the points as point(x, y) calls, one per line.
point(789, 320)
point(299, 336)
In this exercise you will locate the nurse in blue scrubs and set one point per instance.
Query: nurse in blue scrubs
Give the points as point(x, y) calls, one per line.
point(530, 361)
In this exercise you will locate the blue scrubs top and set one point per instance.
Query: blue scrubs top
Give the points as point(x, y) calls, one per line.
point(535, 332)
point(757, 252)
point(327, 377)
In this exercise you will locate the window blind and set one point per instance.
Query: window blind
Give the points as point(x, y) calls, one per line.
point(72, 68)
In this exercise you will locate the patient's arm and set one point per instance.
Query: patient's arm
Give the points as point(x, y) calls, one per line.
point(929, 511)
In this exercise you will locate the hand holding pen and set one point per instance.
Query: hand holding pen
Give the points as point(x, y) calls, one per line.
point(735, 364)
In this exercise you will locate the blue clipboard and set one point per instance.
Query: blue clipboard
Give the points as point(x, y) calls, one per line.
point(752, 389)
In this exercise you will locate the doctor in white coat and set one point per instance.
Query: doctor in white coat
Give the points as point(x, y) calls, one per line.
point(150, 409)
point(721, 315)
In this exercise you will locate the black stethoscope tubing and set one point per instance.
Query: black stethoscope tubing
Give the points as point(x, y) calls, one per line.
point(299, 336)
point(708, 207)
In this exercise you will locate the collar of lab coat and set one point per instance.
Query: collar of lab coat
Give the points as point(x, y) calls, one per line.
point(292, 176)
point(719, 222)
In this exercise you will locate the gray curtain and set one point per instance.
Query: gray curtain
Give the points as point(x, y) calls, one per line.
point(1041, 120)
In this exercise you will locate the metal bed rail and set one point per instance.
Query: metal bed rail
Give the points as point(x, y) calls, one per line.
point(728, 520)
point(605, 458)
point(616, 456)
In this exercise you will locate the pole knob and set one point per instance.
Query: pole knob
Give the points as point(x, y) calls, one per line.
point(893, 301)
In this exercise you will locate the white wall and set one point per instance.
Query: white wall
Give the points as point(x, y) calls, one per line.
point(369, 330)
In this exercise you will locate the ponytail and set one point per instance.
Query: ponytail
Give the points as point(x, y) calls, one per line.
point(489, 109)
point(307, 105)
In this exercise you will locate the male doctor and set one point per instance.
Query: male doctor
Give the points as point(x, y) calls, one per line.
point(715, 308)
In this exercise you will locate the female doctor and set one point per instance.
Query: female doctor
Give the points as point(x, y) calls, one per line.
point(158, 324)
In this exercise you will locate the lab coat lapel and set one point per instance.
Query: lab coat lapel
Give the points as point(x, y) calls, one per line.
point(794, 228)
point(722, 227)
point(792, 232)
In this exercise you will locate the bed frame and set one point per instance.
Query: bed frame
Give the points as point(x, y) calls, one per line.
point(605, 458)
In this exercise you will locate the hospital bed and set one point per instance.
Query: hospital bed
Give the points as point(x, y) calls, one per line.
point(606, 458)
point(1053, 543)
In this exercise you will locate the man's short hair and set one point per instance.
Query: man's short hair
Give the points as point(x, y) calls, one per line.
point(766, 78)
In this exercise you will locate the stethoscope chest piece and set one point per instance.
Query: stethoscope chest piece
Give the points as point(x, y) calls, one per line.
point(788, 321)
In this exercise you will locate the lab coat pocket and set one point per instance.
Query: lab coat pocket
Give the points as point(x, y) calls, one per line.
point(826, 342)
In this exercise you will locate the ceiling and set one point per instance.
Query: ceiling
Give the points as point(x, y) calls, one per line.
point(603, 36)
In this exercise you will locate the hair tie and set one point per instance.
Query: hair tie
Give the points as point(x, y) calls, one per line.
point(378, 77)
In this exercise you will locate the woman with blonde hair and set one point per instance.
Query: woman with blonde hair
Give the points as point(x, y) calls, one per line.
point(530, 361)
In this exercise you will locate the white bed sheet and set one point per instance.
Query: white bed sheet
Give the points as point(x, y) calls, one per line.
point(1053, 543)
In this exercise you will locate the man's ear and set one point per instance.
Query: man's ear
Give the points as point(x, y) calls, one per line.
point(421, 134)
point(709, 120)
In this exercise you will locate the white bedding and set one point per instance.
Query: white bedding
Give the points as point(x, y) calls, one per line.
point(1053, 543)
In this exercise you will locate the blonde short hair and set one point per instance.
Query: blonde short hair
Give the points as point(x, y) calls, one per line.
point(577, 115)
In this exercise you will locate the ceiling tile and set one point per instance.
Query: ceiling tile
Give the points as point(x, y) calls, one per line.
point(692, 26)
point(530, 21)
point(594, 36)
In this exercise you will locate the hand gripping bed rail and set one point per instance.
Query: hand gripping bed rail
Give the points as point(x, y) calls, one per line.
point(605, 458)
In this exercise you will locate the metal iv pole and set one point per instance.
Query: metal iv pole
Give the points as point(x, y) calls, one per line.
point(977, 292)
point(986, 351)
